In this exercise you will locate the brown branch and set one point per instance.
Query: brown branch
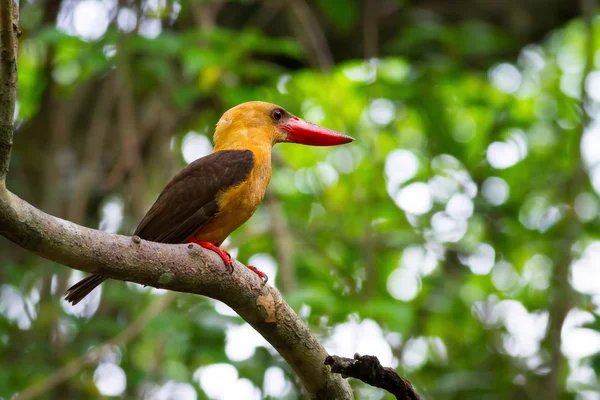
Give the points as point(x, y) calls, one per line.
point(310, 34)
point(91, 357)
point(562, 292)
point(369, 370)
point(92, 154)
point(129, 132)
point(371, 28)
point(9, 22)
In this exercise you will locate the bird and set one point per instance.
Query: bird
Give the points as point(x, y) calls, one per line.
point(215, 194)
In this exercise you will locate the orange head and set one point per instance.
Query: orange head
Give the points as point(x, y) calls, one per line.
point(257, 123)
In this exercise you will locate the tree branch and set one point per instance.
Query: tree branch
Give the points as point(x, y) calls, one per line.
point(9, 19)
point(369, 370)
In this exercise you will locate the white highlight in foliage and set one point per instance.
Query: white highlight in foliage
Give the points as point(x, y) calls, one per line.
point(313, 112)
point(111, 215)
point(400, 166)
point(460, 206)
point(537, 271)
point(595, 178)
point(242, 341)
point(586, 206)
point(585, 276)
point(532, 57)
point(422, 260)
point(127, 19)
point(224, 309)
point(570, 84)
point(275, 384)
point(110, 379)
point(447, 228)
point(592, 85)
point(150, 28)
point(366, 72)
point(282, 83)
point(195, 146)
point(525, 330)
point(343, 160)
point(537, 213)
point(216, 379)
point(415, 352)
point(404, 284)
point(495, 190)
point(481, 260)
point(502, 155)
point(579, 342)
point(570, 59)
point(504, 276)
point(505, 77)
point(173, 390)
point(381, 111)
point(415, 198)
point(220, 382)
point(326, 173)
point(12, 306)
point(90, 19)
point(365, 337)
point(590, 144)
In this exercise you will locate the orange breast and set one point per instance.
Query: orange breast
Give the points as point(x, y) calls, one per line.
point(237, 204)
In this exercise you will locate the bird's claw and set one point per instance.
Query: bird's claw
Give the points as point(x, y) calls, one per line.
point(226, 257)
point(260, 274)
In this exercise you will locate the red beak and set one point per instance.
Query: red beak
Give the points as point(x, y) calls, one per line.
point(300, 131)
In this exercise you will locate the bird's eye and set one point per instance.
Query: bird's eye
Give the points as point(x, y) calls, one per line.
point(277, 114)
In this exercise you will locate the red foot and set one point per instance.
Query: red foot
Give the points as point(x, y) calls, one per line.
point(227, 258)
point(261, 274)
point(222, 253)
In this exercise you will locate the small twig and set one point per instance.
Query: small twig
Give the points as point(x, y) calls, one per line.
point(284, 246)
point(371, 29)
point(205, 14)
point(310, 33)
point(93, 356)
point(369, 370)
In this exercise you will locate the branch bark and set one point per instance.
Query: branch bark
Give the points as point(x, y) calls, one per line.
point(182, 268)
point(9, 20)
point(369, 370)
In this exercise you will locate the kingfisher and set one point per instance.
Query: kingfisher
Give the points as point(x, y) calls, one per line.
point(214, 195)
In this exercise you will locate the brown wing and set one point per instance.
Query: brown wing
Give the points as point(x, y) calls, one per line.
point(189, 201)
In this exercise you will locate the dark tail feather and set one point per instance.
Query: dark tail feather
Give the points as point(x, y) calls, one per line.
point(78, 291)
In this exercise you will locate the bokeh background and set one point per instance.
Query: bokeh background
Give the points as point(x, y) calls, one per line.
point(458, 239)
